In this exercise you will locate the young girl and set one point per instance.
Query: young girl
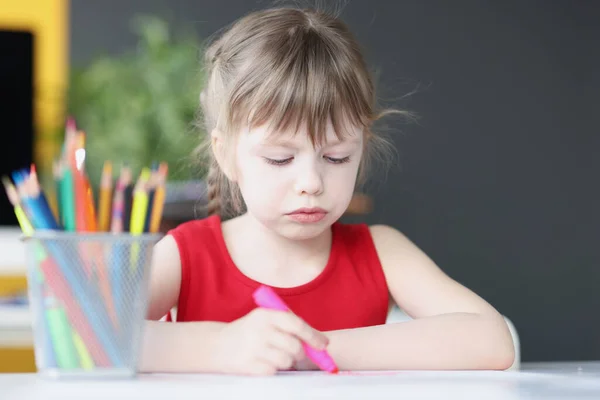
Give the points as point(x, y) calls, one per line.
point(289, 105)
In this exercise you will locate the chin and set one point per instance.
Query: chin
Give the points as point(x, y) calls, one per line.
point(302, 231)
point(293, 230)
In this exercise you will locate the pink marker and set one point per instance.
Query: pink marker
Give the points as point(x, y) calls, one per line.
point(265, 297)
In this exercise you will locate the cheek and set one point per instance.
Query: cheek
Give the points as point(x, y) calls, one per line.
point(341, 184)
point(259, 184)
point(346, 189)
point(343, 176)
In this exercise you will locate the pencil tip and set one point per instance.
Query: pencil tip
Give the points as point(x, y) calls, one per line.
point(11, 192)
point(145, 174)
point(16, 176)
point(6, 181)
point(163, 169)
point(71, 126)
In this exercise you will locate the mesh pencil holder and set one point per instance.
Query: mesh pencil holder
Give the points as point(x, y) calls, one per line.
point(88, 297)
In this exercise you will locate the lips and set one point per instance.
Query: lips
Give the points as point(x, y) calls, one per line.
point(307, 215)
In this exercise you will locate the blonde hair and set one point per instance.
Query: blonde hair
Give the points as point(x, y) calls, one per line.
point(284, 67)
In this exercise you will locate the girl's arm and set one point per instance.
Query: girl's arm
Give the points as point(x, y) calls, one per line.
point(170, 347)
point(165, 279)
point(181, 347)
point(453, 328)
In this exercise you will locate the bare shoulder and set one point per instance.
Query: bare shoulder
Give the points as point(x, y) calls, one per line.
point(417, 284)
point(166, 252)
point(398, 254)
point(385, 236)
point(396, 251)
point(393, 246)
point(165, 277)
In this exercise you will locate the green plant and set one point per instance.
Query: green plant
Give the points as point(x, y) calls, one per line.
point(140, 107)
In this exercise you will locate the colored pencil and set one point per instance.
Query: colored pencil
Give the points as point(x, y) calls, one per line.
point(159, 198)
point(39, 196)
point(151, 190)
point(104, 200)
point(127, 206)
point(138, 215)
point(67, 196)
point(118, 210)
point(91, 224)
point(77, 158)
point(140, 203)
point(13, 198)
point(57, 174)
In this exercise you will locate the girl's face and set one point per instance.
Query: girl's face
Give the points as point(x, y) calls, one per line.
point(293, 187)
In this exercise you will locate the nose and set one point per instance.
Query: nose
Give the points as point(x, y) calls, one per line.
point(309, 180)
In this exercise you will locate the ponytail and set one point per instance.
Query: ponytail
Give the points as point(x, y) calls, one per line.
point(214, 189)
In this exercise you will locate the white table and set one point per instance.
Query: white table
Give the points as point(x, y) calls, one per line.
point(536, 381)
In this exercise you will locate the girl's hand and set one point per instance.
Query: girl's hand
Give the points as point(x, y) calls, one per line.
point(265, 341)
point(305, 364)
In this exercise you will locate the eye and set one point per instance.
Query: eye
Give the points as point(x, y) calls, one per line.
point(278, 162)
point(338, 160)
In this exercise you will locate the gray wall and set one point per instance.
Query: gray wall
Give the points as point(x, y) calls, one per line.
point(498, 182)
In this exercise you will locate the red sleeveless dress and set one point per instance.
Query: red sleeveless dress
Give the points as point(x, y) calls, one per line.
point(350, 292)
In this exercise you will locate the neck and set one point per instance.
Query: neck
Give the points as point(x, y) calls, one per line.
point(263, 251)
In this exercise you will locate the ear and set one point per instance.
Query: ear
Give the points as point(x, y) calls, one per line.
point(219, 148)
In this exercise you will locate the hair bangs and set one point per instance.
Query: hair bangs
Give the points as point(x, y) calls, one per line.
point(306, 89)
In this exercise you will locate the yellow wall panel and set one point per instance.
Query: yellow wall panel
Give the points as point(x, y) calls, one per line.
point(48, 20)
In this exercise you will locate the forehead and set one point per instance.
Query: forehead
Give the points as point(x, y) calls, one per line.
point(301, 137)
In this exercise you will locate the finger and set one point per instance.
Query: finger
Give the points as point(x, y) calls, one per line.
point(286, 342)
point(288, 322)
point(276, 358)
